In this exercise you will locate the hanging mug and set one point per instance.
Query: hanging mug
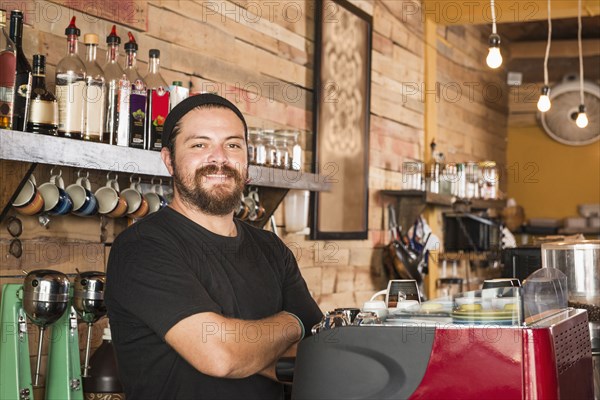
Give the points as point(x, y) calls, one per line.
point(137, 205)
point(84, 202)
point(56, 199)
point(29, 201)
point(155, 197)
point(110, 202)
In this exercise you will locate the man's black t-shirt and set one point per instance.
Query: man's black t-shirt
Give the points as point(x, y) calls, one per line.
point(166, 268)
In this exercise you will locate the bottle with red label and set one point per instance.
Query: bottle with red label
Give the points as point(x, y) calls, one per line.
point(158, 102)
point(134, 107)
point(8, 66)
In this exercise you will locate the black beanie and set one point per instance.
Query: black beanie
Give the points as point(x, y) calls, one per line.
point(189, 104)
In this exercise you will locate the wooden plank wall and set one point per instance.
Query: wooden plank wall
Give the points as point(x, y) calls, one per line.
point(259, 54)
point(473, 99)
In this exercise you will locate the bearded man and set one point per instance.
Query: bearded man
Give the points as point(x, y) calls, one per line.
point(202, 305)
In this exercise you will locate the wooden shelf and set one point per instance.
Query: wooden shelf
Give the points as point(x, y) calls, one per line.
point(445, 200)
point(20, 152)
point(35, 148)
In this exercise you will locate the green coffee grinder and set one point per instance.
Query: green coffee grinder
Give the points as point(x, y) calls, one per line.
point(44, 297)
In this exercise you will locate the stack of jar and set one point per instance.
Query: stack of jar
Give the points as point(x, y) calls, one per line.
point(275, 148)
point(470, 180)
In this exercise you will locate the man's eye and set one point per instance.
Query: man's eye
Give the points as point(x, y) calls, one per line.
point(201, 145)
point(234, 146)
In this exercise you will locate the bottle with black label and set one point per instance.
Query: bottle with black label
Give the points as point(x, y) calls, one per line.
point(43, 109)
point(113, 73)
point(158, 102)
point(70, 88)
point(8, 66)
point(95, 91)
point(137, 100)
point(23, 74)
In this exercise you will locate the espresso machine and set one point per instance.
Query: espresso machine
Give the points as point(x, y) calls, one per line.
point(45, 298)
point(497, 343)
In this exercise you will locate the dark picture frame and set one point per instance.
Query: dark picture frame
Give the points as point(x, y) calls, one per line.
point(341, 112)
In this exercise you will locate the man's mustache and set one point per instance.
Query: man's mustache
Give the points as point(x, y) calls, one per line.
point(214, 169)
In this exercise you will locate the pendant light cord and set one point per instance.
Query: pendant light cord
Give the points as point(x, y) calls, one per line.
point(493, 16)
point(580, 52)
point(548, 46)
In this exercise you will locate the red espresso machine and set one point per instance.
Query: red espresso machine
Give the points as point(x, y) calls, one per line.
point(499, 343)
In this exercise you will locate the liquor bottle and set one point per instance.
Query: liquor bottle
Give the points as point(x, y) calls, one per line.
point(70, 88)
point(113, 73)
point(95, 91)
point(177, 93)
point(137, 100)
point(43, 110)
point(23, 74)
point(8, 66)
point(158, 102)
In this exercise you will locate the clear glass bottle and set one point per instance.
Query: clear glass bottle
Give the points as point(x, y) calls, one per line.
point(70, 88)
point(8, 67)
point(158, 101)
point(43, 110)
point(113, 73)
point(95, 91)
point(23, 74)
point(136, 120)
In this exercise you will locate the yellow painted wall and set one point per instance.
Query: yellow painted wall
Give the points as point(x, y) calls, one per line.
point(550, 179)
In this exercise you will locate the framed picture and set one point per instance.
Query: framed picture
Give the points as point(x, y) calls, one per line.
point(341, 108)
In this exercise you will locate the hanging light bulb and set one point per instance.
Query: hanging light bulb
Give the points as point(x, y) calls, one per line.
point(494, 58)
point(582, 119)
point(543, 103)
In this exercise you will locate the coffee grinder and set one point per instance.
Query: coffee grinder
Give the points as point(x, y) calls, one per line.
point(89, 303)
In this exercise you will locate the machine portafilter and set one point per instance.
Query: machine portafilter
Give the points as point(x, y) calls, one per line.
point(88, 300)
point(45, 300)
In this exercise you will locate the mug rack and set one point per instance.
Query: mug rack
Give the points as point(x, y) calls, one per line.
point(21, 152)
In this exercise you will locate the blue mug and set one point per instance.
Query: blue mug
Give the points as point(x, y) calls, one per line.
point(56, 199)
point(84, 202)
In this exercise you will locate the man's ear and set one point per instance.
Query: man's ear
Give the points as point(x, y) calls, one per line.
point(165, 154)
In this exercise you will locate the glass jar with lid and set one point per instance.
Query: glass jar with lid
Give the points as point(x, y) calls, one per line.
point(270, 149)
point(472, 181)
point(490, 179)
point(282, 151)
point(253, 138)
point(296, 151)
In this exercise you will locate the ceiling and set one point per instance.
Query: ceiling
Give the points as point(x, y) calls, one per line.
point(562, 29)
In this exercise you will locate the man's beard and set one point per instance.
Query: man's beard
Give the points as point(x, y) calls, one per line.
point(218, 200)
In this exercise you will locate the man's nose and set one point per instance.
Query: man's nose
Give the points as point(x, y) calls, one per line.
point(217, 155)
